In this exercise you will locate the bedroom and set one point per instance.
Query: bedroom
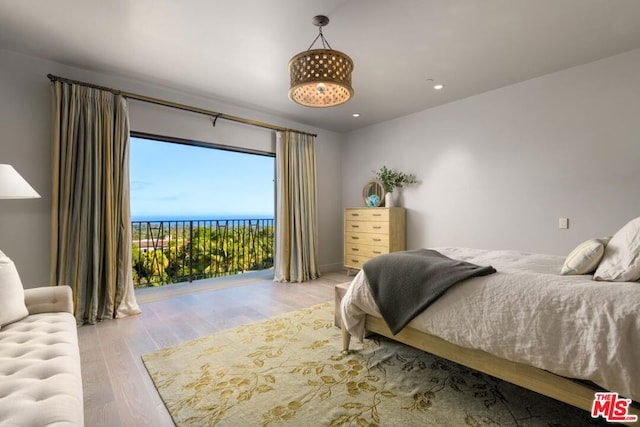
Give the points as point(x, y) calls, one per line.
point(498, 168)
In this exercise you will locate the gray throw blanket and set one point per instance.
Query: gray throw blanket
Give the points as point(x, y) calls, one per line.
point(405, 283)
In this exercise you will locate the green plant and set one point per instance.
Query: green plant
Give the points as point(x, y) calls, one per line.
point(392, 179)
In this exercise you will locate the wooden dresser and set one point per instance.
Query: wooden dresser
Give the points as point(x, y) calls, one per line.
point(369, 232)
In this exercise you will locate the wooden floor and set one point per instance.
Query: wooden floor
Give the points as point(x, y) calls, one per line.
point(117, 388)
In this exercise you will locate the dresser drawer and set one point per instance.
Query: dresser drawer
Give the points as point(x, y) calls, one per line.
point(370, 214)
point(366, 239)
point(366, 227)
point(364, 250)
point(355, 261)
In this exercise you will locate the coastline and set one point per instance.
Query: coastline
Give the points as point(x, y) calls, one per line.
point(200, 217)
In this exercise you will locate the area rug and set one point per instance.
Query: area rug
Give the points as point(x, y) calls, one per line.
point(289, 371)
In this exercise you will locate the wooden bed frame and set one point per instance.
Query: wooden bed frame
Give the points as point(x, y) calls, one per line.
point(529, 377)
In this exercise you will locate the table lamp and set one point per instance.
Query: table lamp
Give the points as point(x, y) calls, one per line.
point(14, 186)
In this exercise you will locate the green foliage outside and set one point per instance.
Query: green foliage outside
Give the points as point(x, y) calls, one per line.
point(180, 253)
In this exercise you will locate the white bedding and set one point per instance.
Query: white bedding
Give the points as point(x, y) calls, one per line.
point(527, 312)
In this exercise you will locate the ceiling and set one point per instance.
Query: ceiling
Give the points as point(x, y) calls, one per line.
point(237, 51)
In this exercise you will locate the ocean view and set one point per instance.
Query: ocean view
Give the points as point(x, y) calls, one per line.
point(171, 244)
point(200, 217)
point(214, 181)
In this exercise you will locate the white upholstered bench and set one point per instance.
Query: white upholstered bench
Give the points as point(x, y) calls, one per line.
point(40, 380)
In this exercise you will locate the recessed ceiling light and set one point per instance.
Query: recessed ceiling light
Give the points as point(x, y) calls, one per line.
point(436, 86)
point(356, 114)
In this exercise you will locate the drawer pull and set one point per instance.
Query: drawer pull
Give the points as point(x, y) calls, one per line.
point(355, 226)
point(377, 214)
point(355, 238)
point(377, 252)
point(377, 227)
point(355, 214)
point(355, 249)
point(354, 260)
point(377, 240)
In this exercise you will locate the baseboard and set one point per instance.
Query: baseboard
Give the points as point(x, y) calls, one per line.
point(325, 268)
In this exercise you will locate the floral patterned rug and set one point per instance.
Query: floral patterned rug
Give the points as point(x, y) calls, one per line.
point(289, 371)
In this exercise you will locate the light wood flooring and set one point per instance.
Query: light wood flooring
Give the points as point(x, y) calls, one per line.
point(117, 388)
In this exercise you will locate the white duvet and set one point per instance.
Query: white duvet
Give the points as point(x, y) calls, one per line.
point(527, 312)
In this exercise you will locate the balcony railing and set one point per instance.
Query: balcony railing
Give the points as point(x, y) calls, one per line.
point(183, 251)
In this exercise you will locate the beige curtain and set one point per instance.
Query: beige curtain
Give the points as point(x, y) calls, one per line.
point(91, 219)
point(296, 218)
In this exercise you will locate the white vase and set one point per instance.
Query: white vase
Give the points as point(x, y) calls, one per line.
point(389, 200)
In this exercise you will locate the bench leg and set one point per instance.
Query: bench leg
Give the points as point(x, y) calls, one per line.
point(346, 339)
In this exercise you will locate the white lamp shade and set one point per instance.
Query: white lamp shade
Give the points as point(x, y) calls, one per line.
point(13, 186)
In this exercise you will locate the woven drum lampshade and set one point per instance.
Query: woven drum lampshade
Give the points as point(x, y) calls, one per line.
point(320, 77)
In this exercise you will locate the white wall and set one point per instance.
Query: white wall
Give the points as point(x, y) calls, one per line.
point(499, 169)
point(25, 142)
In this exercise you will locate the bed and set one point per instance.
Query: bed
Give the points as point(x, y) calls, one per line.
point(559, 335)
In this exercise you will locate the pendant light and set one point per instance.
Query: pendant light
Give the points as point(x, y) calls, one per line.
point(320, 77)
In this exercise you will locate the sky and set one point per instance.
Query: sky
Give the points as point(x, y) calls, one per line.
point(169, 179)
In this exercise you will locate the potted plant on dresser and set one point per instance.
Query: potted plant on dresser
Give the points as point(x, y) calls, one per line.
point(392, 179)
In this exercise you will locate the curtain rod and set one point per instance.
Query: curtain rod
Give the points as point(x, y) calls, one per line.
point(215, 115)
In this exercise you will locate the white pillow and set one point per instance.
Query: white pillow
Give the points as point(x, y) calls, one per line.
point(584, 258)
point(621, 259)
point(12, 307)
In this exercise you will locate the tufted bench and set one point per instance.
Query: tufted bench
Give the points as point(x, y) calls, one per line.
point(40, 381)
